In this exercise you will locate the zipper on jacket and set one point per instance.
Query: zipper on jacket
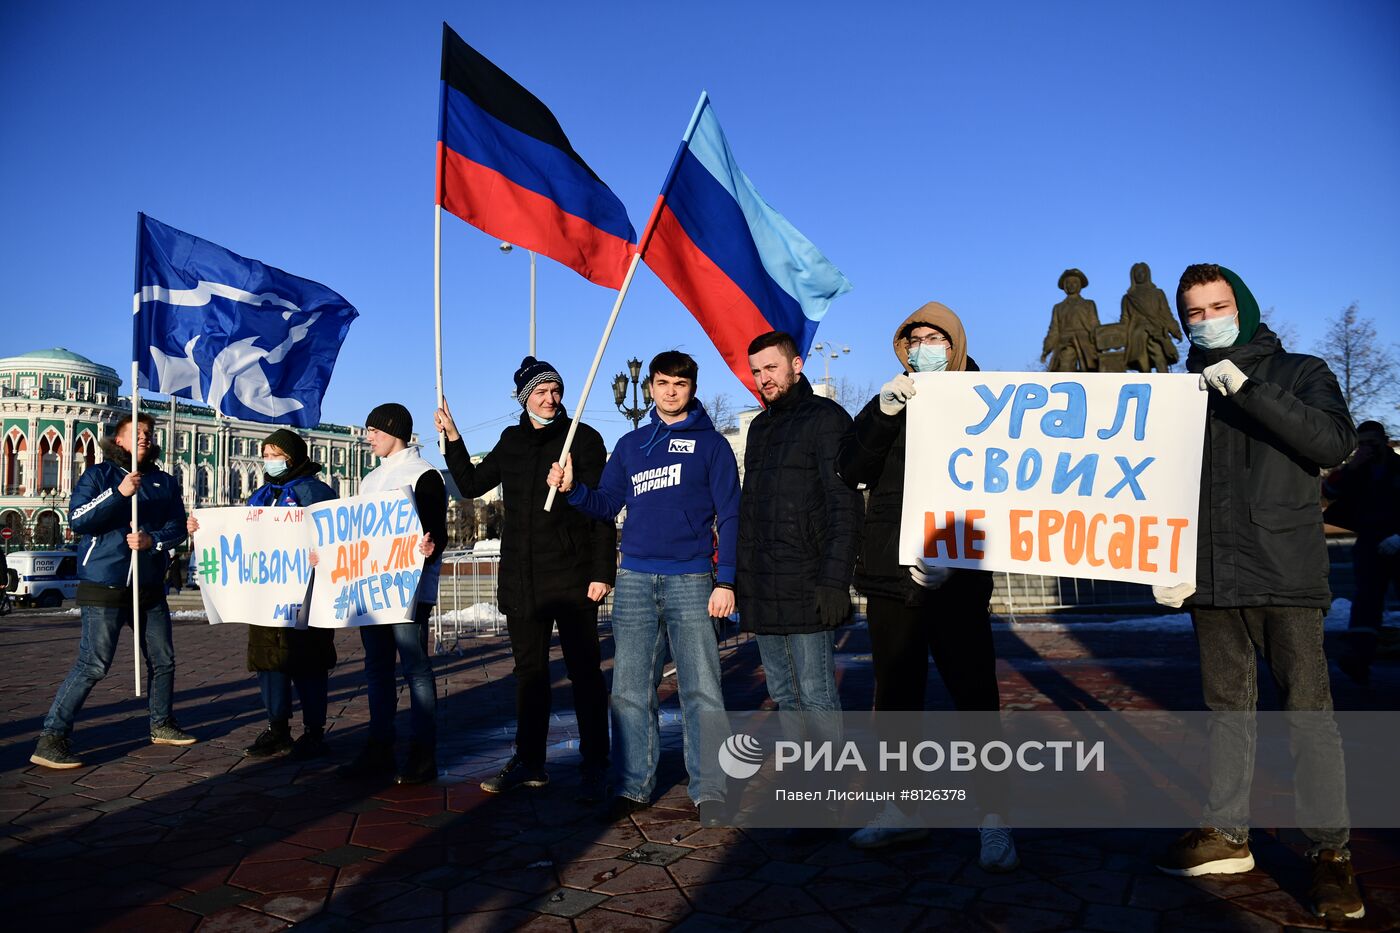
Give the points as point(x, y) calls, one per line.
point(89, 551)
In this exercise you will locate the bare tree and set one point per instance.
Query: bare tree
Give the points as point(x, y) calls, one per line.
point(1287, 331)
point(720, 408)
point(1365, 367)
point(851, 396)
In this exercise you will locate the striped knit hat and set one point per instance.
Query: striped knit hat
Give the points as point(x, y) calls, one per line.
point(530, 374)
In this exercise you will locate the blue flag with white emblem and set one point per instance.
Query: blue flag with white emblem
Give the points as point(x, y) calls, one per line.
point(254, 342)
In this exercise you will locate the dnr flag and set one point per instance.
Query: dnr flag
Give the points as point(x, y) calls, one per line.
point(504, 165)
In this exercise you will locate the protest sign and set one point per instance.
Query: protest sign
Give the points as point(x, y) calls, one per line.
point(368, 560)
point(1095, 475)
point(252, 564)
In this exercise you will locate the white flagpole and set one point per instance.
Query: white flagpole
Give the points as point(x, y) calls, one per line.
point(593, 371)
point(437, 310)
point(532, 302)
point(135, 522)
point(642, 242)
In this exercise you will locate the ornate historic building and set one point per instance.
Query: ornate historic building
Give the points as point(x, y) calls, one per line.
point(55, 408)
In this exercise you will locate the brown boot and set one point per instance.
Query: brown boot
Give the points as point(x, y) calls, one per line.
point(1205, 852)
point(1333, 892)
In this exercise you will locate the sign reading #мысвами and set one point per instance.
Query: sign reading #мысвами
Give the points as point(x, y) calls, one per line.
point(1094, 476)
point(252, 564)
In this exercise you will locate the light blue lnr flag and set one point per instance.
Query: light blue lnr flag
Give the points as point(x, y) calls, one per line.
point(252, 341)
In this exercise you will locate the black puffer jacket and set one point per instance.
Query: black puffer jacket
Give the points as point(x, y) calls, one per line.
point(547, 558)
point(798, 522)
point(1260, 540)
point(872, 457)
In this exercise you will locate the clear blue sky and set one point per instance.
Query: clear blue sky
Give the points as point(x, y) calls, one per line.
point(960, 152)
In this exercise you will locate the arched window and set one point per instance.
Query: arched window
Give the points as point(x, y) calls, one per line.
point(204, 483)
point(50, 452)
point(235, 484)
point(12, 462)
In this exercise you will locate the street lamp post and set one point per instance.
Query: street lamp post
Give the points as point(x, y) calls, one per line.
point(507, 248)
point(829, 351)
point(633, 413)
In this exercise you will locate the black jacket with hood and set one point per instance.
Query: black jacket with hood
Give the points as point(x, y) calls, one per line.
point(547, 558)
point(799, 524)
point(872, 458)
point(1260, 540)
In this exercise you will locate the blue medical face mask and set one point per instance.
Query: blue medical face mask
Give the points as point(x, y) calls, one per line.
point(274, 467)
point(927, 359)
point(1214, 333)
point(537, 419)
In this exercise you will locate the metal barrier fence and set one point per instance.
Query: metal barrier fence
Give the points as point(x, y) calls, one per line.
point(467, 603)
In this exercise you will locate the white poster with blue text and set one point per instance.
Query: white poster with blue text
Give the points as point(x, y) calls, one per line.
point(368, 563)
point(1093, 475)
point(252, 565)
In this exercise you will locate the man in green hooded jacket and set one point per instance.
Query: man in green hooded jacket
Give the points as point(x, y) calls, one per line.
point(1275, 421)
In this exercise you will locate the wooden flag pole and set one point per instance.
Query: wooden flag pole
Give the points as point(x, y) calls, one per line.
point(135, 520)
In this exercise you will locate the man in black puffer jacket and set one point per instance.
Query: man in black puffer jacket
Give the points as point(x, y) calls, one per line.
point(556, 567)
point(799, 526)
point(1274, 421)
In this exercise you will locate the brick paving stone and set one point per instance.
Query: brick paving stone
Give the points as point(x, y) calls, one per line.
point(239, 920)
point(588, 875)
point(887, 918)
point(1011, 917)
point(344, 855)
point(778, 900)
point(275, 877)
point(653, 853)
point(215, 899)
point(600, 920)
point(688, 871)
point(292, 906)
point(668, 905)
point(492, 921)
point(1115, 919)
point(1215, 917)
point(1039, 894)
point(565, 902)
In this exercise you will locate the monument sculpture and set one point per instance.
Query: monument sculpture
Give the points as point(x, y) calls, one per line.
point(1071, 345)
point(1142, 339)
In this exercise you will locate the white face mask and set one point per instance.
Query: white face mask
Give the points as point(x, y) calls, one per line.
point(274, 467)
point(537, 419)
point(1214, 333)
point(927, 359)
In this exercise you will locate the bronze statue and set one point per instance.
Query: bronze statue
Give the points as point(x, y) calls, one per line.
point(1071, 344)
point(1152, 329)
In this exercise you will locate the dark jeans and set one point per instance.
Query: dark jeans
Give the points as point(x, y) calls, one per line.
point(1375, 574)
point(955, 628)
point(311, 688)
point(410, 641)
point(98, 645)
point(578, 638)
point(1290, 639)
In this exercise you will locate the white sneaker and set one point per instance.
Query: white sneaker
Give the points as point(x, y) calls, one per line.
point(998, 850)
point(890, 828)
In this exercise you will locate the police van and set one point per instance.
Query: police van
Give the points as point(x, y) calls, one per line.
point(45, 578)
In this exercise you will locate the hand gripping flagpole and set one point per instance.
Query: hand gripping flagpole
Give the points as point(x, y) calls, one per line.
point(642, 242)
point(135, 422)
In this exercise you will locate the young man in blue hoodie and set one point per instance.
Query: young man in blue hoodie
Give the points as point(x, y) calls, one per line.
point(679, 481)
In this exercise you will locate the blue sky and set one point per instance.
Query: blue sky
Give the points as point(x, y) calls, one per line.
point(966, 153)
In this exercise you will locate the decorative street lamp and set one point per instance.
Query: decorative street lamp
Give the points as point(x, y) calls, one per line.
point(633, 413)
point(829, 351)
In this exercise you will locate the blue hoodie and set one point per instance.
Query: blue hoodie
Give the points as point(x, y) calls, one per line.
point(680, 484)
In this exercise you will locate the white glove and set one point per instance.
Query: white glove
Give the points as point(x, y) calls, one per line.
point(930, 578)
point(1173, 596)
point(896, 393)
point(1225, 377)
point(1389, 547)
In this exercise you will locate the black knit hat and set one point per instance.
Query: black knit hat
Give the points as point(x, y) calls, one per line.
point(530, 374)
point(393, 419)
point(290, 443)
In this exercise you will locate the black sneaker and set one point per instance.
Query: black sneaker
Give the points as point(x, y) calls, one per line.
point(712, 813)
point(515, 774)
point(53, 751)
point(592, 784)
point(1205, 852)
point(420, 767)
point(312, 744)
point(274, 740)
point(375, 760)
point(1333, 893)
point(170, 733)
point(620, 808)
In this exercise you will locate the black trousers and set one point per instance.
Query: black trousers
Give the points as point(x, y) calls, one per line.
point(955, 628)
point(529, 644)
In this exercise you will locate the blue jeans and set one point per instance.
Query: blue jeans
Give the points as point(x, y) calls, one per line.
point(800, 671)
point(311, 687)
point(650, 612)
point(101, 627)
point(410, 640)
